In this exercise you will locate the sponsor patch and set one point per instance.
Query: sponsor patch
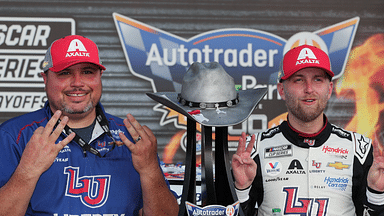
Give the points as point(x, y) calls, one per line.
point(295, 168)
point(316, 165)
point(273, 168)
point(277, 179)
point(278, 151)
point(310, 142)
point(339, 183)
point(92, 191)
point(338, 165)
point(230, 210)
point(335, 151)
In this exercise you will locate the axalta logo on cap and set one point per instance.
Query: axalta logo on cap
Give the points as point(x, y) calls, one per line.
point(76, 48)
point(306, 56)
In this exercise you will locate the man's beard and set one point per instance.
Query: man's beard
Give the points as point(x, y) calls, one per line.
point(68, 110)
point(303, 114)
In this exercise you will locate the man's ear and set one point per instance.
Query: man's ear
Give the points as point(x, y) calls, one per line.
point(44, 75)
point(280, 89)
point(330, 89)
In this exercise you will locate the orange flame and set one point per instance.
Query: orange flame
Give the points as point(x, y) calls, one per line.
point(171, 148)
point(364, 76)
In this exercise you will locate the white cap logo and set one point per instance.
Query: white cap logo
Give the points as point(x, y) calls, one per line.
point(306, 53)
point(75, 45)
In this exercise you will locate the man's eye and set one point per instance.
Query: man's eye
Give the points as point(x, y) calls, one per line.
point(298, 80)
point(88, 72)
point(63, 73)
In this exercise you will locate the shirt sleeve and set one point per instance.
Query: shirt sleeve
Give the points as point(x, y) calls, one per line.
point(10, 155)
point(367, 201)
point(375, 203)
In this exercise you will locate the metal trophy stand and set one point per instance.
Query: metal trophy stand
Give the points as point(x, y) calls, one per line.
point(216, 184)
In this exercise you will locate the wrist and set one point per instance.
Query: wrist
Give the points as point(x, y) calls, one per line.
point(242, 187)
point(375, 197)
point(26, 173)
point(243, 194)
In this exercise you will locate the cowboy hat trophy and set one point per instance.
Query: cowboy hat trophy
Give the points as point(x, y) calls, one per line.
point(208, 96)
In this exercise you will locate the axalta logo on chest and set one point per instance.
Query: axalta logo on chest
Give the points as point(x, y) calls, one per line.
point(56, 214)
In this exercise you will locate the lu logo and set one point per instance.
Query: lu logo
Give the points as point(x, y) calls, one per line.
point(91, 190)
point(304, 206)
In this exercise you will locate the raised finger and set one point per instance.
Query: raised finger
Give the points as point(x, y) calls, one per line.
point(51, 123)
point(39, 130)
point(376, 150)
point(131, 129)
point(241, 145)
point(65, 141)
point(250, 144)
point(127, 142)
point(236, 158)
point(150, 134)
point(134, 128)
point(59, 129)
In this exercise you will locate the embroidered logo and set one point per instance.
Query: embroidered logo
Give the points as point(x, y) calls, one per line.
point(76, 48)
point(91, 190)
point(306, 56)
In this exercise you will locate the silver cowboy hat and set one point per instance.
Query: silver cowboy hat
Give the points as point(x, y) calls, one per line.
point(208, 96)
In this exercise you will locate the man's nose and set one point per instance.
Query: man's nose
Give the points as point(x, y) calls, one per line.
point(308, 87)
point(77, 80)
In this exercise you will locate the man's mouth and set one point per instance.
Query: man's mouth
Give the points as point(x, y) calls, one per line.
point(76, 95)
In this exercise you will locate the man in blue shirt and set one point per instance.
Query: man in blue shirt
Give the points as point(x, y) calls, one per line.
point(73, 158)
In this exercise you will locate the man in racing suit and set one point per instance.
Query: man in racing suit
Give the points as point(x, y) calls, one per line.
point(73, 158)
point(307, 166)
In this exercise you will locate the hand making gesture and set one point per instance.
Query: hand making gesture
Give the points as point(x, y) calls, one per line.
point(145, 161)
point(41, 150)
point(144, 150)
point(376, 172)
point(243, 166)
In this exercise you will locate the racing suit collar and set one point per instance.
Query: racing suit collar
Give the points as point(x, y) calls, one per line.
point(306, 140)
point(325, 121)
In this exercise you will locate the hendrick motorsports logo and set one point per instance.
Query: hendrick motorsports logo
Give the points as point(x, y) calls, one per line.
point(252, 57)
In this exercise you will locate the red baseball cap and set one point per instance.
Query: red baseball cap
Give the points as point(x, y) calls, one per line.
point(304, 56)
point(70, 50)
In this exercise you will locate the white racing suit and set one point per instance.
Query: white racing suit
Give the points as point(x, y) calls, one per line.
point(321, 174)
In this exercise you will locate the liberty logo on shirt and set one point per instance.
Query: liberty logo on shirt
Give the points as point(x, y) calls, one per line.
point(297, 205)
point(91, 190)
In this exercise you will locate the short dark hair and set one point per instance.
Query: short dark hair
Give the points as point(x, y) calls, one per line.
point(326, 74)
